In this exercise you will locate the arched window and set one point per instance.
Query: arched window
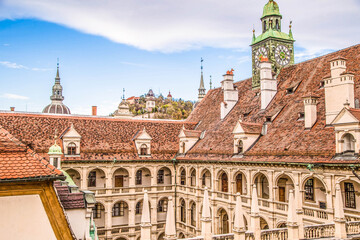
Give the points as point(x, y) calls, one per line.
point(277, 24)
point(97, 210)
point(206, 179)
point(183, 177)
point(119, 209)
point(138, 177)
point(193, 178)
point(160, 176)
point(143, 149)
point(264, 27)
point(348, 143)
point(92, 179)
point(182, 211)
point(224, 222)
point(240, 146)
point(71, 149)
point(162, 205)
point(138, 208)
point(224, 182)
point(193, 215)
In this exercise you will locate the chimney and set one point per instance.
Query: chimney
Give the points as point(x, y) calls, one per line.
point(339, 89)
point(94, 110)
point(12, 109)
point(268, 84)
point(310, 109)
point(231, 95)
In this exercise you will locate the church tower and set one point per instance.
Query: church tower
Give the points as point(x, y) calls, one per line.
point(273, 44)
point(56, 106)
point(201, 89)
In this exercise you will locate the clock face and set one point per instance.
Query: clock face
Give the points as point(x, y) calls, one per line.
point(282, 55)
point(259, 54)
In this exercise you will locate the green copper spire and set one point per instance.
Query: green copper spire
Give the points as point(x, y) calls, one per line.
point(254, 37)
point(271, 9)
point(290, 32)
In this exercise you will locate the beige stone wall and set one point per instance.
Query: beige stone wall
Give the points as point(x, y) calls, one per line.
point(272, 181)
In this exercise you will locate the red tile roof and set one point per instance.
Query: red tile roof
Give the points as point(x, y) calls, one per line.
point(355, 113)
point(69, 200)
point(192, 133)
point(102, 138)
point(251, 127)
point(286, 136)
point(19, 162)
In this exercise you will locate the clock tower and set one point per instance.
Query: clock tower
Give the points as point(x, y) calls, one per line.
point(273, 44)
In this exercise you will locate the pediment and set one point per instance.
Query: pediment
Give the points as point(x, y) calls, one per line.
point(72, 133)
point(238, 128)
point(344, 117)
point(142, 135)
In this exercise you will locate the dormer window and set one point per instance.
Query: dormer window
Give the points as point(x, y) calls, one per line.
point(240, 146)
point(143, 150)
point(348, 142)
point(71, 149)
point(290, 90)
point(322, 84)
point(183, 145)
point(301, 116)
point(143, 143)
point(71, 141)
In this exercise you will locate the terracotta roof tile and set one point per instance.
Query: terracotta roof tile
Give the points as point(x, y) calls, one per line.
point(101, 138)
point(286, 136)
point(17, 161)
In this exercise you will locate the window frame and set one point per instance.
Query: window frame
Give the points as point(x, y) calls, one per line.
point(309, 190)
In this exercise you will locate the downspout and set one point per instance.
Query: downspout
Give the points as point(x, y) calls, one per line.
point(174, 164)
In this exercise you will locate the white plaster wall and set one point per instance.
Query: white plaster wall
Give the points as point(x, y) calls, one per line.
point(78, 222)
point(24, 217)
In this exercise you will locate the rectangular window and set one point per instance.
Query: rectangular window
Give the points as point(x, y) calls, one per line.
point(92, 179)
point(138, 179)
point(309, 190)
point(56, 160)
point(97, 210)
point(160, 178)
point(119, 181)
point(116, 210)
point(350, 201)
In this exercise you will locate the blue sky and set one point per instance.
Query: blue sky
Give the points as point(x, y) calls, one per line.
point(105, 46)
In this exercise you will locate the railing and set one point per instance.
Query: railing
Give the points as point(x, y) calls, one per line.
point(281, 206)
point(120, 190)
point(249, 236)
point(264, 202)
point(319, 231)
point(316, 213)
point(142, 189)
point(228, 236)
point(164, 187)
point(353, 227)
point(274, 234)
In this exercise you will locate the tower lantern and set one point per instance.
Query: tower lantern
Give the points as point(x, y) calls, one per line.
point(273, 44)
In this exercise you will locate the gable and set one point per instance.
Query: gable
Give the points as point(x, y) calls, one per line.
point(238, 129)
point(344, 117)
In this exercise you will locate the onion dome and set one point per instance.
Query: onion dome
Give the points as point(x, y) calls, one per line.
point(55, 150)
point(271, 9)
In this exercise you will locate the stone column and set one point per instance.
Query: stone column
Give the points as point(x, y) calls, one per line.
point(84, 183)
point(254, 215)
point(293, 228)
point(108, 218)
point(339, 215)
point(239, 225)
point(206, 218)
point(299, 203)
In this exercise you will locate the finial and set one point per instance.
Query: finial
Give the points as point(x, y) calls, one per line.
point(290, 24)
point(210, 83)
point(57, 78)
point(58, 62)
point(123, 97)
point(347, 104)
point(201, 61)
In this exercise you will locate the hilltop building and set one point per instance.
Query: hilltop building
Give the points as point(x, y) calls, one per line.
point(150, 100)
point(57, 106)
point(275, 158)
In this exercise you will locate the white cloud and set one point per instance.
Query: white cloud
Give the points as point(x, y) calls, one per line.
point(19, 66)
point(14, 96)
point(169, 26)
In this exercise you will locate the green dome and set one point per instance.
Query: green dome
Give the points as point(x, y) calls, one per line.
point(271, 9)
point(55, 149)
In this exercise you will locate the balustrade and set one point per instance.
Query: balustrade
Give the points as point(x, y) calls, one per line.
point(274, 234)
point(316, 213)
point(319, 231)
point(353, 227)
point(228, 236)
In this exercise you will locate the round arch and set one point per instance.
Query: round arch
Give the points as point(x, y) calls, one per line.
point(239, 180)
point(284, 183)
point(75, 175)
point(206, 178)
point(164, 175)
point(223, 221)
point(261, 181)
